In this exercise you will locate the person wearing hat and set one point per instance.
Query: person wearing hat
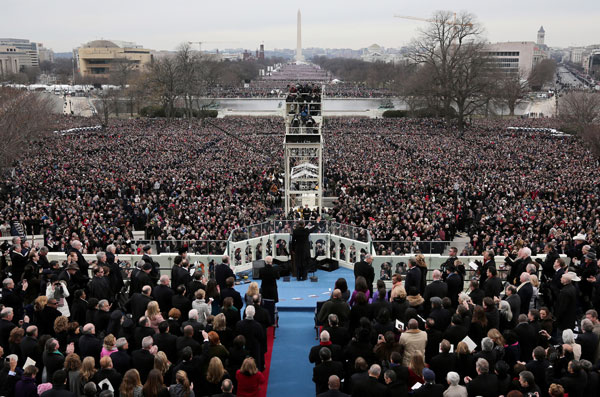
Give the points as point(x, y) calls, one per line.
point(154, 266)
point(575, 250)
point(565, 312)
point(72, 277)
point(141, 279)
point(430, 388)
point(588, 274)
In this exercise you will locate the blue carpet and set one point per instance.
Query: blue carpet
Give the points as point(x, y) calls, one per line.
point(305, 294)
point(291, 373)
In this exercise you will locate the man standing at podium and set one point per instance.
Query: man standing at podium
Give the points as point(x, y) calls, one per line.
point(300, 247)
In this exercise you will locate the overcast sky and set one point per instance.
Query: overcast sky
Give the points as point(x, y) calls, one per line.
point(162, 25)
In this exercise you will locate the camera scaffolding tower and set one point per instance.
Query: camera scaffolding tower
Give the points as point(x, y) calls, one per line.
point(303, 150)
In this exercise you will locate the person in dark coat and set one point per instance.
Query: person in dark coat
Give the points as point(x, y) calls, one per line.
point(89, 345)
point(108, 372)
point(488, 261)
point(223, 272)
point(485, 384)
point(493, 285)
point(6, 326)
point(326, 368)
point(179, 275)
point(26, 387)
point(30, 347)
point(121, 359)
point(334, 388)
point(138, 303)
point(47, 316)
point(256, 338)
point(364, 268)
point(370, 387)
point(588, 341)
point(166, 342)
point(84, 266)
point(187, 340)
point(229, 291)
point(53, 359)
point(525, 291)
point(413, 276)
point(300, 247)
point(99, 286)
point(429, 388)
point(567, 300)
point(437, 288)
point(59, 386)
point(79, 306)
point(164, 294)
point(154, 273)
point(13, 297)
point(143, 359)
point(444, 362)
point(269, 276)
point(455, 284)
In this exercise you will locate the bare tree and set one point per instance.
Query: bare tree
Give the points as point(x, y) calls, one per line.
point(17, 126)
point(511, 89)
point(542, 73)
point(452, 48)
point(591, 135)
point(164, 81)
point(580, 109)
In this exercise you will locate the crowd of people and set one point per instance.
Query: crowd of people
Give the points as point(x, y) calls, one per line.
point(409, 182)
point(97, 330)
point(534, 332)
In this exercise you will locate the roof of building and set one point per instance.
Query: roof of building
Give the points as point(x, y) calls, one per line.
point(101, 44)
point(541, 30)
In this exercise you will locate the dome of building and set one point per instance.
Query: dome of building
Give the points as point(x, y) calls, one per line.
point(100, 44)
point(374, 48)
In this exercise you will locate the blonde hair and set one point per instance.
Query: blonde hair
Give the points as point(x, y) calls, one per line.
point(496, 336)
point(462, 348)
point(220, 322)
point(398, 292)
point(253, 289)
point(249, 367)
point(131, 380)
point(88, 368)
point(199, 294)
point(215, 371)
point(534, 280)
point(182, 378)
point(109, 341)
point(421, 260)
point(152, 309)
point(60, 324)
point(161, 362)
point(40, 302)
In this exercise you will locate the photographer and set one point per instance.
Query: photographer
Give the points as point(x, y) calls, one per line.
point(58, 290)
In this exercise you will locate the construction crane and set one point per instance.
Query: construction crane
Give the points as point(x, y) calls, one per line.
point(451, 23)
point(209, 42)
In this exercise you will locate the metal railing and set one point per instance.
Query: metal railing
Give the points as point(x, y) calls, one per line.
point(407, 247)
point(198, 247)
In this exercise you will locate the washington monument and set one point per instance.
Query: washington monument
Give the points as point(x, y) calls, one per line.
point(299, 57)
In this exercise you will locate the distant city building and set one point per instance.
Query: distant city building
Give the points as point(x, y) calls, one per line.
point(376, 53)
point(97, 58)
point(45, 54)
point(519, 56)
point(541, 36)
point(12, 60)
point(31, 59)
